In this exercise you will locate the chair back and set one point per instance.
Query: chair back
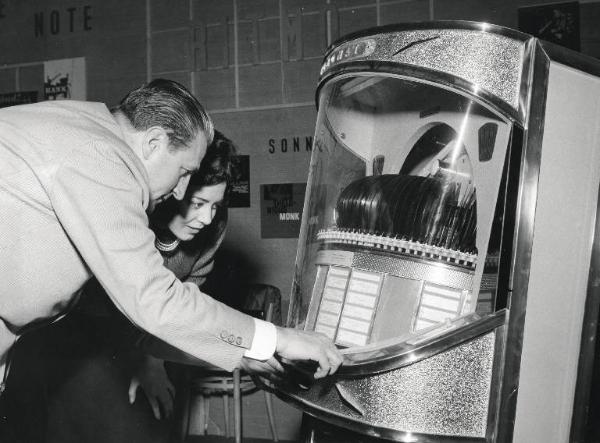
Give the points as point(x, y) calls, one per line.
point(261, 299)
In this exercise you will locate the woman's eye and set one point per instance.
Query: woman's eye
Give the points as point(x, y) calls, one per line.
point(197, 205)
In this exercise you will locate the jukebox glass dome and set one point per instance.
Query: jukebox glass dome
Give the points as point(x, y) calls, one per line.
point(396, 240)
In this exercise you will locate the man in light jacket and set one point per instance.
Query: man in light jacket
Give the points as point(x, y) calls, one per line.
point(76, 182)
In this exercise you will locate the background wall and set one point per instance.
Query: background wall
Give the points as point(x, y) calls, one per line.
point(253, 63)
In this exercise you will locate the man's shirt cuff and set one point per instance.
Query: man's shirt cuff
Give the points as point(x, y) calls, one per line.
point(264, 341)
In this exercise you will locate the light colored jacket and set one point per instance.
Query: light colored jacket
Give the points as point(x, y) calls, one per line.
point(73, 201)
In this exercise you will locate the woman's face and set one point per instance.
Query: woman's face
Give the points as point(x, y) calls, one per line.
point(197, 211)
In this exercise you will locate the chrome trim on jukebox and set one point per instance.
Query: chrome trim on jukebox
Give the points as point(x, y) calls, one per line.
point(524, 223)
point(400, 436)
point(433, 25)
point(466, 54)
point(426, 76)
point(524, 89)
point(496, 384)
point(403, 351)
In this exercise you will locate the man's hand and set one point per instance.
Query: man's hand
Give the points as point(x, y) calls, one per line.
point(293, 345)
point(270, 369)
point(152, 378)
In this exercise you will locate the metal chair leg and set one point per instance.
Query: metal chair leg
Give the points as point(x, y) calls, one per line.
point(184, 406)
point(205, 405)
point(270, 415)
point(226, 413)
point(237, 405)
point(185, 419)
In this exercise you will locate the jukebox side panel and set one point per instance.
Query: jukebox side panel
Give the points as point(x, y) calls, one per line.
point(560, 258)
point(445, 396)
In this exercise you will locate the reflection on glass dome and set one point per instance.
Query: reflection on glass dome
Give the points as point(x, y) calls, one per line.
point(401, 200)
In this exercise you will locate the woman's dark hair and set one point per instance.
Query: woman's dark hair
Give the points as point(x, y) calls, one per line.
point(219, 165)
point(171, 106)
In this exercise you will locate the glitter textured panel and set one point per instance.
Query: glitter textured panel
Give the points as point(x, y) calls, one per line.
point(447, 394)
point(492, 62)
point(414, 270)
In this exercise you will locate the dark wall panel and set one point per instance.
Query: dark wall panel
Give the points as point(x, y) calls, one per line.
point(269, 38)
point(8, 80)
point(410, 11)
point(216, 88)
point(171, 51)
point(500, 12)
point(260, 85)
point(353, 19)
point(301, 80)
point(29, 78)
point(590, 29)
point(169, 14)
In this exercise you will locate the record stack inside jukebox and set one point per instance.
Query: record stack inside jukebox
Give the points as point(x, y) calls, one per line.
point(417, 230)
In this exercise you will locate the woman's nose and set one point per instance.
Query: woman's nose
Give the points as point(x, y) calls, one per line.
point(205, 215)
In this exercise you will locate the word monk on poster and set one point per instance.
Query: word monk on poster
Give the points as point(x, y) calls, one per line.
point(281, 209)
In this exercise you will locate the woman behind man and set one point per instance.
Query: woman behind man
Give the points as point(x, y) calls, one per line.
point(188, 234)
point(84, 385)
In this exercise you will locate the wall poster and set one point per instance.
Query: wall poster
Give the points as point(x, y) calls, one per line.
point(281, 209)
point(65, 79)
point(239, 195)
point(556, 22)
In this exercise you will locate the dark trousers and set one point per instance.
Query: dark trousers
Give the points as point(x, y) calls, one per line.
point(41, 362)
point(68, 383)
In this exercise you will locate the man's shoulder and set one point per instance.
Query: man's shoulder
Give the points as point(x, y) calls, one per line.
point(63, 120)
point(92, 137)
point(89, 115)
point(59, 107)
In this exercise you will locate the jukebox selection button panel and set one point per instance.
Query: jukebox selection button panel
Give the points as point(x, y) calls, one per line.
point(348, 305)
point(386, 296)
point(438, 303)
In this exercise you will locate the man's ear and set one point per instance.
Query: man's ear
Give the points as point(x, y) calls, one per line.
point(156, 139)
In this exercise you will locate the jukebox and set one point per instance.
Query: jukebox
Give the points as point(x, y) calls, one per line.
point(449, 235)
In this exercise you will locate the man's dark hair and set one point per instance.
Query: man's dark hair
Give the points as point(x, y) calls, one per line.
point(171, 106)
point(219, 165)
